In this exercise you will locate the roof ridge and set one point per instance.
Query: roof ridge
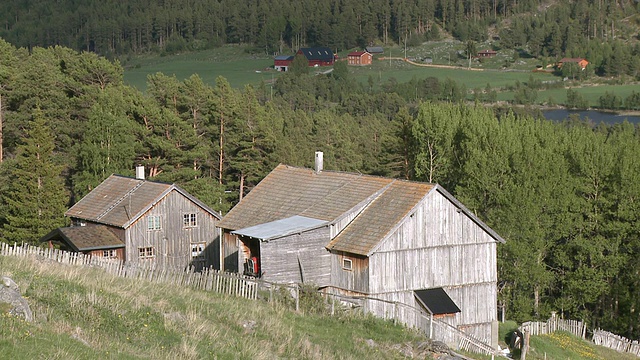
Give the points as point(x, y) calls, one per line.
point(128, 193)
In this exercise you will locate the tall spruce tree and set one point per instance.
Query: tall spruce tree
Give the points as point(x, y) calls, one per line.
point(34, 199)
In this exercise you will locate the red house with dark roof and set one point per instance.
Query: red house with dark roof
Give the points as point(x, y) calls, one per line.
point(282, 62)
point(318, 56)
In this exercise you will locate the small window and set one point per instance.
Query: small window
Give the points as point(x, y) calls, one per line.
point(347, 264)
point(197, 251)
point(111, 254)
point(189, 220)
point(153, 222)
point(146, 252)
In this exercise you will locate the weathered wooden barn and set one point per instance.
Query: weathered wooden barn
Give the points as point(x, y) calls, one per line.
point(354, 234)
point(142, 221)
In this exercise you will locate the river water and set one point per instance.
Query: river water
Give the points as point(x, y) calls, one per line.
point(595, 116)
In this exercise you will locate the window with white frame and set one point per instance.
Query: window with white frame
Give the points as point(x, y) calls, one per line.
point(189, 220)
point(147, 252)
point(111, 254)
point(347, 264)
point(153, 222)
point(197, 251)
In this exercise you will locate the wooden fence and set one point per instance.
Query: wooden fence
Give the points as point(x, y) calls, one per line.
point(431, 327)
point(209, 279)
point(616, 342)
point(575, 327)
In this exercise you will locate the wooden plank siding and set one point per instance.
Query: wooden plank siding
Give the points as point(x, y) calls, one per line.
point(356, 279)
point(436, 245)
point(230, 251)
point(172, 242)
point(297, 258)
point(100, 253)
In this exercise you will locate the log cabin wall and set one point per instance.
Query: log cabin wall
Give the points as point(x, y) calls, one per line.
point(174, 244)
point(438, 245)
point(297, 258)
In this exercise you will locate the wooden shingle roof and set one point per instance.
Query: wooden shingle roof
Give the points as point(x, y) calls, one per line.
point(120, 200)
point(288, 191)
point(380, 217)
point(85, 238)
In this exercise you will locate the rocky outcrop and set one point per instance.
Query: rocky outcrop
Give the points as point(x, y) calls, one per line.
point(10, 294)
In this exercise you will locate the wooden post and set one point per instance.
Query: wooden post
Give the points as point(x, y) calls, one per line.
point(525, 345)
point(431, 326)
point(297, 298)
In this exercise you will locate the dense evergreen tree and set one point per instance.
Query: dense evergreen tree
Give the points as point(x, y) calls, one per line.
point(34, 198)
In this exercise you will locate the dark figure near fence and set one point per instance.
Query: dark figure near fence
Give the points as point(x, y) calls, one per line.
point(515, 342)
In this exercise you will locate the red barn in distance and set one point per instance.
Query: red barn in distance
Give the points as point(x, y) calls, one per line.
point(282, 63)
point(318, 56)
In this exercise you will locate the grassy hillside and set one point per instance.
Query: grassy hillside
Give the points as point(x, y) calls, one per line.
point(82, 313)
point(562, 345)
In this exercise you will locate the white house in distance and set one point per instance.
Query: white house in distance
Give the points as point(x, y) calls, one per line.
point(369, 236)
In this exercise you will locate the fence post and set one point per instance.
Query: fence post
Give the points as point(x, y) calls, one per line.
point(297, 298)
point(525, 344)
point(430, 326)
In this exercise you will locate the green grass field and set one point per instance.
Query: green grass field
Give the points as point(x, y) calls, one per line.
point(241, 68)
point(231, 62)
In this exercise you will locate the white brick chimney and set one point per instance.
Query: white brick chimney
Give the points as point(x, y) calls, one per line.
point(140, 172)
point(319, 161)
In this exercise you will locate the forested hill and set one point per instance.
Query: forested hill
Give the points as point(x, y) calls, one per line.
point(113, 27)
point(565, 196)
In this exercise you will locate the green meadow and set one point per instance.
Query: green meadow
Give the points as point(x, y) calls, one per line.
point(240, 68)
point(231, 62)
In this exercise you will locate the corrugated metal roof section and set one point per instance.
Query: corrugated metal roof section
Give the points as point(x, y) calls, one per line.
point(117, 200)
point(367, 230)
point(436, 301)
point(288, 191)
point(85, 238)
point(279, 228)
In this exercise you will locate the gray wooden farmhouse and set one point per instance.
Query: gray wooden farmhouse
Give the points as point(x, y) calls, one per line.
point(142, 222)
point(360, 235)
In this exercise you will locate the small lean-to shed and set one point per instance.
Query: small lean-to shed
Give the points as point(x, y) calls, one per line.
point(353, 234)
point(155, 223)
point(282, 62)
